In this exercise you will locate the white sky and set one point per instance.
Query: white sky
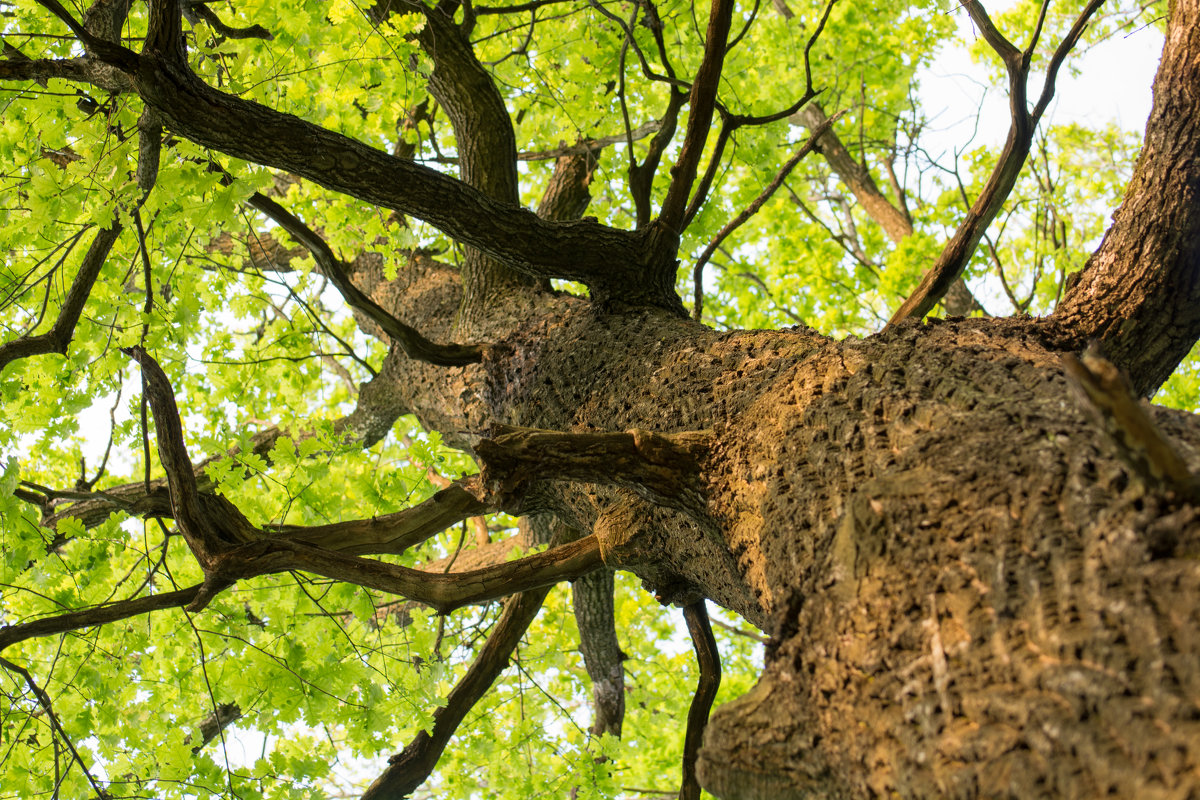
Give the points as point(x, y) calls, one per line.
point(1113, 84)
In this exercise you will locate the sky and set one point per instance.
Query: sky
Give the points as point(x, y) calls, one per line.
point(1112, 84)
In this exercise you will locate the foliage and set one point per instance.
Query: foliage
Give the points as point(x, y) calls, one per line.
point(329, 677)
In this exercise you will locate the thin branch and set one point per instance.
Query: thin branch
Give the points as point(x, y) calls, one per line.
point(1060, 54)
point(44, 702)
point(58, 338)
point(410, 768)
point(961, 247)
point(750, 211)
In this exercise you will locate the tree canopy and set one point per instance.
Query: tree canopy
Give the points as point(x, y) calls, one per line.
point(247, 554)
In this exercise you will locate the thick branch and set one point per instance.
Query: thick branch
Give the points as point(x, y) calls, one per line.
point(663, 468)
point(444, 592)
point(595, 617)
point(607, 260)
point(701, 104)
point(209, 523)
point(486, 142)
point(393, 533)
point(99, 615)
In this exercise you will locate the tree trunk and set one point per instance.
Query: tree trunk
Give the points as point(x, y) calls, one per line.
point(968, 592)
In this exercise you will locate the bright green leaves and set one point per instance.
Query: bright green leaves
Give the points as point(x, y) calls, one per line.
point(1054, 218)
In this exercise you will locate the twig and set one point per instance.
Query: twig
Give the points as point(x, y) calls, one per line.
point(750, 211)
point(44, 702)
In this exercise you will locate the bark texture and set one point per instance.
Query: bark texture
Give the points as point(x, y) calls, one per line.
point(968, 592)
point(1152, 249)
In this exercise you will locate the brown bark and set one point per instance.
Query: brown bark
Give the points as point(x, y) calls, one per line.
point(1139, 293)
point(968, 592)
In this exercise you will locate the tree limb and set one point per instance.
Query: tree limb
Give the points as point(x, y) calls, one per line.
point(663, 468)
point(709, 661)
point(408, 769)
point(1138, 294)
point(701, 102)
point(748, 212)
point(98, 615)
point(58, 338)
point(44, 701)
point(961, 247)
point(406, 337)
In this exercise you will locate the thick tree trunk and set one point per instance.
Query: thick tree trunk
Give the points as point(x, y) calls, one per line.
point(968, 593)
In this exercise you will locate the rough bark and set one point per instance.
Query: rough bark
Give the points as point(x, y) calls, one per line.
point(1139, 293)
point(968, 592)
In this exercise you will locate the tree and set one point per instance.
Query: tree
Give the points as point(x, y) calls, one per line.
point(970, 543)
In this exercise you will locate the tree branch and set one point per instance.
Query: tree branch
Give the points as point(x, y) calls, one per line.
point(99, 615)
point(961, 247)
point(44, 701)
point(709, 661)
point(663, 468)
point(894, 219)
point(406, 337)
point(750, 211)
point(701, 102)
point(1139, 294)
point(409, 769)
point(58, 338)
point(1141, 446)
point(394, 533)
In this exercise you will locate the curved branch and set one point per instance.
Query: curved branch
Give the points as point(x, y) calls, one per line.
point(408, 338)
point(961, 247)
point(442, 591)
point(59, 336)
point(749, 211)
point(393, 533)
point(609, 261)
point(709, 660)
